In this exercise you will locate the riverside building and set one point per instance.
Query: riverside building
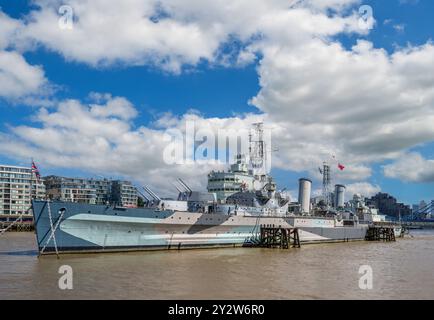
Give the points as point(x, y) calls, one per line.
point(18, 185)
point(91, 191)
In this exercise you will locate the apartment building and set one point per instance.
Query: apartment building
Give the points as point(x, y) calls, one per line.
point(18, 185)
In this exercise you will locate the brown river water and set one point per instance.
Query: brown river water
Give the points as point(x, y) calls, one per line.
point(401, 270)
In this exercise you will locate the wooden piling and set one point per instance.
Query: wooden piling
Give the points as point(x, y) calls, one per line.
point(278, 237)
point(380, 233)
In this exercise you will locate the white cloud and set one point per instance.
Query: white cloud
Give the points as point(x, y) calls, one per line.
point(113, 32)
point(364, 188)
point(174, 33)
point(17, 77)
point(8, 28)
point(364, 105)
point(115, 107)
point(399, 27)
point(411, 167)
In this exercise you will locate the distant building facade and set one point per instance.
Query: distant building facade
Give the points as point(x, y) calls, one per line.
point(70, 189)
point(124, 193)
point(422, 205)
point(91, 191)
point(388, 205)
point(18, 185)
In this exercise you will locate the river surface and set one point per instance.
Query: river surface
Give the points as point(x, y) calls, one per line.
point(401, 270)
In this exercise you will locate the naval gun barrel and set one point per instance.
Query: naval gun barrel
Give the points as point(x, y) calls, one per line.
point(179, 190)
point(151, 193)
point(185, 185)
point(143, 195)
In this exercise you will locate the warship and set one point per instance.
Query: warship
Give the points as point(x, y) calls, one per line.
point(237, 203)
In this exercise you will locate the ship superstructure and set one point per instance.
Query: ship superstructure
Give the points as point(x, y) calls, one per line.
point(226, 183)
point(248, 172)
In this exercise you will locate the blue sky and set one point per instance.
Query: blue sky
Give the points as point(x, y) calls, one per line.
point(213, 88)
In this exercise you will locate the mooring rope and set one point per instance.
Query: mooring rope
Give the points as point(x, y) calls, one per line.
point(53, 229)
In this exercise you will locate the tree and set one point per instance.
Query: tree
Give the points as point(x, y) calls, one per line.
point(140, 202)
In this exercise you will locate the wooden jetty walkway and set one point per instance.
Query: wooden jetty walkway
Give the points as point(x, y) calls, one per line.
point(278, 237)
point(15, 223)
point(381, 233)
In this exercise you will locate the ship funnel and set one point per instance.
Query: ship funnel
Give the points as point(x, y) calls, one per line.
point(304, 191)
point(339, 196)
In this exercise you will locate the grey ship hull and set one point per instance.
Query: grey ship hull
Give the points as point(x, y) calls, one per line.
point(75, 227)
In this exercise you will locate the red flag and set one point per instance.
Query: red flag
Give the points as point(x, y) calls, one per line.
point(341, 167)
point(36, 171)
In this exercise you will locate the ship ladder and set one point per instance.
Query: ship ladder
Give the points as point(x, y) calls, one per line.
point(53, 228)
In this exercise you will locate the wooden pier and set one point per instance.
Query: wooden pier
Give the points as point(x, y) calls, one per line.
point(15, 223)
point(278, 237)
point(381, 233)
